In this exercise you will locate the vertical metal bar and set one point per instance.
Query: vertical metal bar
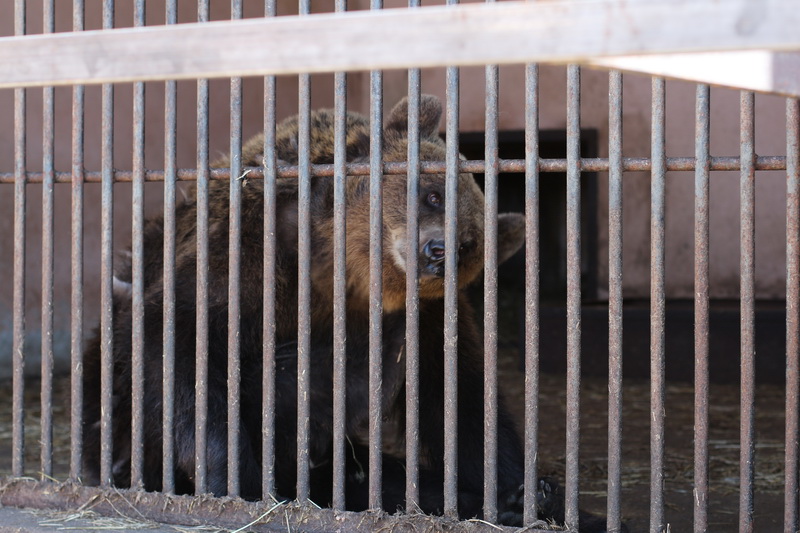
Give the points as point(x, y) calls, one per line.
point(790, 512)
point(234, 259)
point(451, 298)
point(614, 300)
point(657, 198)
point(76, 261)
point(375, 281)
point(573, 294)
point(48, 171)
point(303, 281)
point(531, 289)
point(137, 276)
point(270, 252)
point(18, 357)
point(107, 268)
point(701, 310)
point(170, 178)
point(201, 340)
point(412, 291)
point(490, 301)
point(747, 313)
point(339, 284)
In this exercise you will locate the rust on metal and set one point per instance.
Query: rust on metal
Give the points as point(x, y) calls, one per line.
point(201, 317)
point(614, 301)
point(234, 275)
point(572, 475)
point(76, 269)
point(137, 275)
point(303, 284)
point(490, 300)
point(701, 309)
point(339, 288)
point(629, 164)
point(107, 269)
point(18, 347)
point(657, 314)
point(375, 284)
point(168, 368)
point(268, 399)
point(747, 189)
point(451, 299)
point(412, 295)
point(531, 289)
point(48, 263)
point(201, 314)
point(791, 491)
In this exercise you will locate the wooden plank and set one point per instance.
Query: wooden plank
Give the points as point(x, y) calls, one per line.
point(508, 32)
point(753, 70)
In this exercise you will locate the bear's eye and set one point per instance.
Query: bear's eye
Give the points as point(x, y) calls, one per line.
point(434, 199)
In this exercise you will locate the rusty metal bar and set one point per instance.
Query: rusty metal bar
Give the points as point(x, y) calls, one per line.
point(303, 281)
point(375, 282)
point(790, 506)
point(412, 291)
point(107, 269)
point(76, 269)
point(270, 254)
point(234, 287)
point(747, 313)
point(451, 300)
point(137, 275)
point(18, 356)
point(531, 289)
point(188, 511)
point(490, 301)
point(339, 286)
point(701, 309)
point(201, 317)
point(657, 206)
point(614, 301)
point(629, 164)
point(573, 296)
point(48, 264)
point(170, 178)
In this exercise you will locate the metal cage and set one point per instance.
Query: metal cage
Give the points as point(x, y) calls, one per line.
point(603, 34)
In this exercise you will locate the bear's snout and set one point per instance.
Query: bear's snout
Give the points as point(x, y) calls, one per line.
point(433, 258)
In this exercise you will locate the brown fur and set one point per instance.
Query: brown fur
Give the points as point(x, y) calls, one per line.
point(431, 310)
point(395, 148)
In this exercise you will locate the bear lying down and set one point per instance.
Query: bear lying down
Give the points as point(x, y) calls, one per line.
point(431, 311)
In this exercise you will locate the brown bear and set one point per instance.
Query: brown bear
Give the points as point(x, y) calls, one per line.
point(431, 310)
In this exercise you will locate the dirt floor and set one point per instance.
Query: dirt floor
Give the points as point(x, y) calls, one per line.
point(724, 448)
point(679, 458)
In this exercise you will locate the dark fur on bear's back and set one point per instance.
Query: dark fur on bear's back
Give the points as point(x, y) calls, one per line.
point(431, 311)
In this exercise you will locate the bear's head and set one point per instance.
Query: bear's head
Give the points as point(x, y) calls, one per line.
point(431, 208)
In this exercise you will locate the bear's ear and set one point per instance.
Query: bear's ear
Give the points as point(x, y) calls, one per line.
point(510, 235)
point(430, 114)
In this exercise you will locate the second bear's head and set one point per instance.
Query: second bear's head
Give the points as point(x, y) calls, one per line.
point(431, 204)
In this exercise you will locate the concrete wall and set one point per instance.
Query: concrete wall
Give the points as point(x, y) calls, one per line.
point(770, 140)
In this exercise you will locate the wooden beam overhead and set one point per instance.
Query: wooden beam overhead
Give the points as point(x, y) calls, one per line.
point(557, 31)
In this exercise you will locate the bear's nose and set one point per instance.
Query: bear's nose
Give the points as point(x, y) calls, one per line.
point(434, 251)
